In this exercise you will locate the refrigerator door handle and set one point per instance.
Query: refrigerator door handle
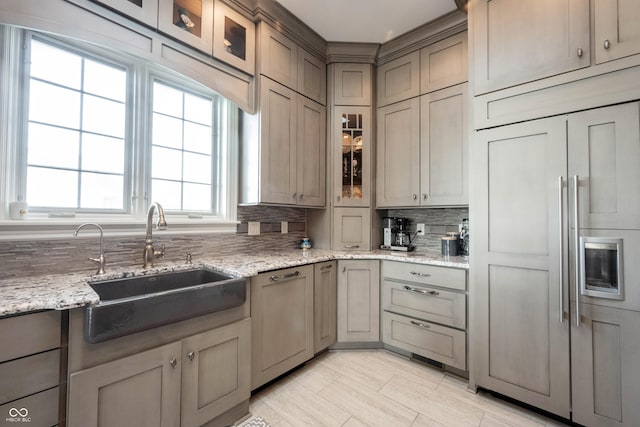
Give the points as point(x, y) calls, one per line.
point(561, 247)
point(576, 225)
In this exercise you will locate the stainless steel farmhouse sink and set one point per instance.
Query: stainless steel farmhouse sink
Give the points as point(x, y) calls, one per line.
point(133, 304)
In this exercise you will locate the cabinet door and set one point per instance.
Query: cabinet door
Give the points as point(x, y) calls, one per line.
point(616, 32)
point(398, 154)
point(399, 79)
point(517, 42)
point(312, 77)
point(190, 21)
point(604, 151)
point(324, 292)
point(216, 372)
point(278, 57)
point(358, 301)
point(352, 145)
point(278, 131)
point(311, 154)
point(145, 11)
point(139, 390)
point(282, 314)
point(352, 84)
point(351, 229)
point(234, 38)
point(444, 64)
point(522, 345)
point(444, 179)
point(605, 378)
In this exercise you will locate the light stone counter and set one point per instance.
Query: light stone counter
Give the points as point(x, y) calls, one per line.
point(65, 291)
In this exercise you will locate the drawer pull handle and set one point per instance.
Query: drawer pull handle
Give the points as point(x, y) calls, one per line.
point(284, 276)
point(191, 355)
point(173, 362)
point(351, 246)
point(420, 324)
point(417, 273)
point(326, 267)
point(421, 291)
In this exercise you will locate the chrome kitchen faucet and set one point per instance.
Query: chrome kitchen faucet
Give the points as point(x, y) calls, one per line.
point(150, 253)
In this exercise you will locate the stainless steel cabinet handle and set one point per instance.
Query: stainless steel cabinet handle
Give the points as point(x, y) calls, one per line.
point(576, 242)
point(421, 291)
point(301, 196)
point(420, 324)
point(424, 196)
point(561, 246)
point(417, 273)
point(326, 267)
point(606, 44)
point(191, 355)
point(173, 362)
point(415, 197)
point(351, 246)
point(284, 276)
point(580, 52)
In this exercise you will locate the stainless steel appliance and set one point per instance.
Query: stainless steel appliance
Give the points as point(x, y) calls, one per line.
point(396, 234)
point(601, 267)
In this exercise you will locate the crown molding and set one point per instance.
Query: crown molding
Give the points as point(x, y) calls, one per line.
point(362, 53)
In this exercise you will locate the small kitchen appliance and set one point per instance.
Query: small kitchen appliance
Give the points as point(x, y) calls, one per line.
point(396, 234)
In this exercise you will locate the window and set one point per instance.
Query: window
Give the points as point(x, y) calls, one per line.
point(102, 135)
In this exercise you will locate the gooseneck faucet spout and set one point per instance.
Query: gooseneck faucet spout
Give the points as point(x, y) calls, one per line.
point(149, 252)
point(101, 261)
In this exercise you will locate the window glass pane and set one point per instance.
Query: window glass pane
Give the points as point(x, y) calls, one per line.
point(197, 109)
point(52, 146)
point(197, 138)
point(54, 105)
point(167, 193)
point(100, 191)
point(167, 131)
point(197, 168)
point(167, 100)
point(197, 197)
point(55, 65)
point(103, 116)
point(52, 188)
point(166, 163)
point(105, 80)
point(102, 153)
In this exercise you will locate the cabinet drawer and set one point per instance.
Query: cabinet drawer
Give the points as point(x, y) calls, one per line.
point(424, 302)
point(426, 274)
point(28, 334)
point(29, 375)
point(42, 407)
point(440, 343)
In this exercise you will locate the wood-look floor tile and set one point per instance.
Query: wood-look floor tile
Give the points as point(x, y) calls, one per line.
point(257, 406)
point(355, 422)
point(315, 376)
point(358, 369)
point(422, 421)
point(369, 406)
point(400, 365)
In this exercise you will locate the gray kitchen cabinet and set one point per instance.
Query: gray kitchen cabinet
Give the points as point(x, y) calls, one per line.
point(604, 152)
point(351, 229)
point(188, 21)
point(616, 31)
point(521, 341)
point(398, 154)
point(283, 151)
point(358, 301)
point(312, 77)
point(187, 382)
point(399, 79)
point(324, 305)
point(352, 84)
point(282, 312)
point(518, 42)
point(444, 63)
point(444, 157)
point(145, 11)
point(604, 362)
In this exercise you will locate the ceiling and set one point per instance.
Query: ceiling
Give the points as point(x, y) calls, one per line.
point(368, 21)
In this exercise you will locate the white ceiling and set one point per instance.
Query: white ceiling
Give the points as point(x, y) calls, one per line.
point(369, 21)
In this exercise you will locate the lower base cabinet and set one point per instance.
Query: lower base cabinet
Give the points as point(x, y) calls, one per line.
point(358, 301)
point(186, 383)
point(324, 305)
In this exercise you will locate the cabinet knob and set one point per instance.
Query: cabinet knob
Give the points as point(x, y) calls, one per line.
point(191, 355)
point(580, 52)
point(607, 44)
point(415, 197)
point(173, 362)
point(424, 196)
point(301, 196)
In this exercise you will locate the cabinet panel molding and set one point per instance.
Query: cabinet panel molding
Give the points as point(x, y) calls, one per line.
point(352, 84)
point(444, 64)
point(399, 79)
point(358, 301)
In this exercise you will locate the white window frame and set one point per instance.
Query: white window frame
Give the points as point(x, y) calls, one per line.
point(13, 120)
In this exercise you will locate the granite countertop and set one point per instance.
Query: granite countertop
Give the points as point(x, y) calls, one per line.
point(66, 291)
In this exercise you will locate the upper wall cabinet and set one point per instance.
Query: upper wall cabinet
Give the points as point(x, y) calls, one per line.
point(234, 38)
point(284, 61)
point(352, 84)
point(616, 32)
point(517, 42)
point(145, 11)
point(190, 21)
point(399, 79)
point(444, 63)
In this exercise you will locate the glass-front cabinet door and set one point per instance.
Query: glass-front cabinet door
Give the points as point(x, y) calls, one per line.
point(352, 156)
point(145, 11)
point(190, 21)
point(234, 38)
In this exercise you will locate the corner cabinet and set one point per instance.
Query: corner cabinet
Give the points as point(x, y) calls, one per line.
point(324, 295)
point(358, 301)
point(282, 313)
point(283, 149)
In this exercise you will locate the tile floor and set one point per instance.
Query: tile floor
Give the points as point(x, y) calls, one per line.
point(379, 388)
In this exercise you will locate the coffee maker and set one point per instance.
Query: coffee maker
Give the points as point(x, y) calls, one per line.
point(396, 235)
